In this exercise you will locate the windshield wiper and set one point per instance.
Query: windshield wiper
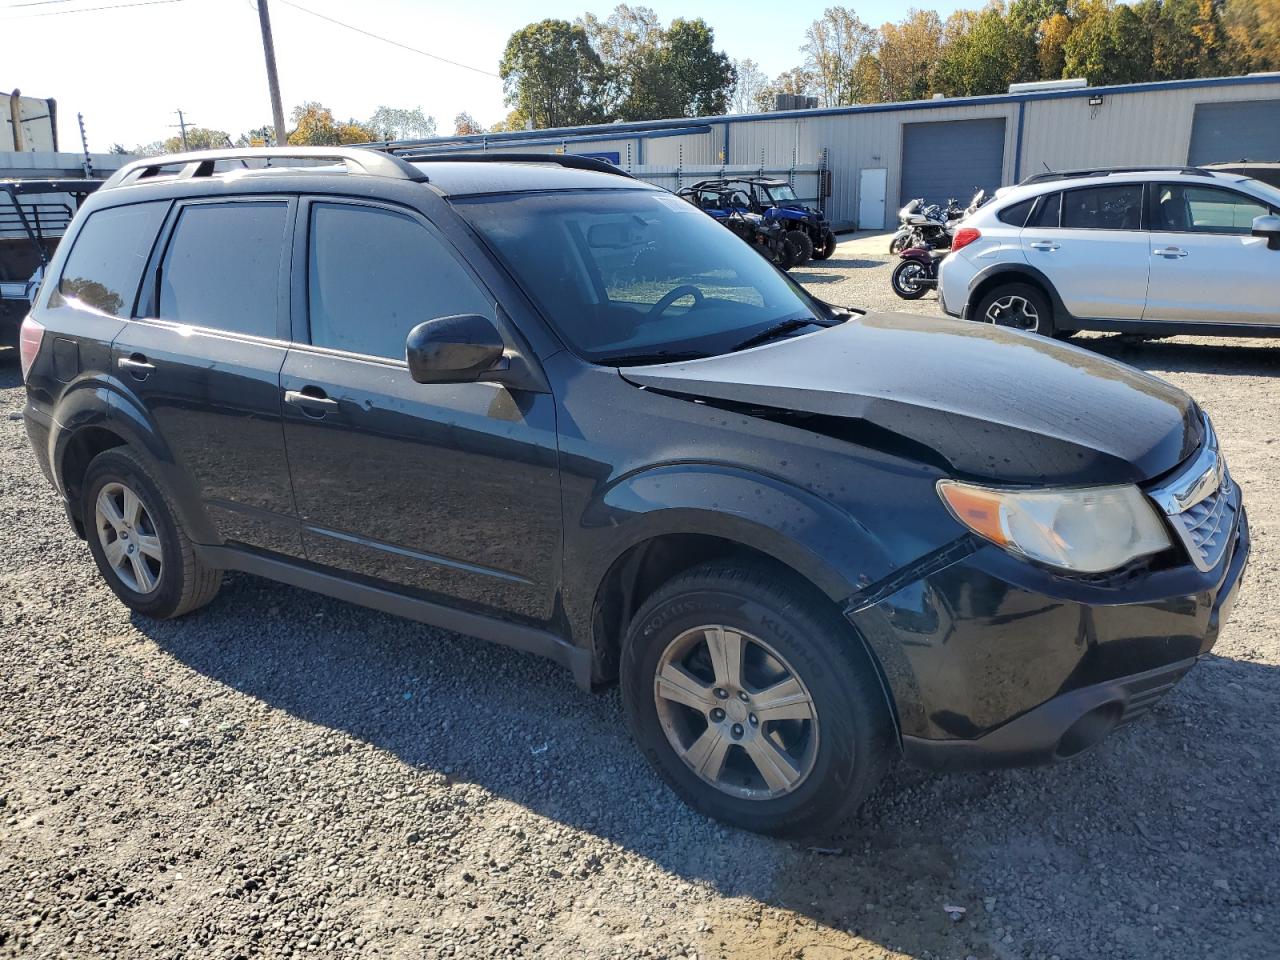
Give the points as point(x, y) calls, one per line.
point(640, 359)
point(777, 330)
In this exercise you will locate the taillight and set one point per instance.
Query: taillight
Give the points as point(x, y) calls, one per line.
point(29, 339)
point(965, 236)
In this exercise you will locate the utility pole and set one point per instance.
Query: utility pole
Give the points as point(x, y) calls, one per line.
point(273, 80)
point(182, 126)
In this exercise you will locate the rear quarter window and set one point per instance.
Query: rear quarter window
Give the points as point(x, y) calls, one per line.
point(1016, 213)
point(105, 265)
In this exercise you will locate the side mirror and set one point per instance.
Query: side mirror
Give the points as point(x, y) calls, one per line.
point(460, 349)
point(1268, 227)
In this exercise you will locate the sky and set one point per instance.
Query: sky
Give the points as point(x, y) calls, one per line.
point(128, 69)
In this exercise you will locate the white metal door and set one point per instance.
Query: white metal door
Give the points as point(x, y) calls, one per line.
point(872, 186)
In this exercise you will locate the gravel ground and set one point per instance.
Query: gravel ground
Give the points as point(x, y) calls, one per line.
point(285, 774)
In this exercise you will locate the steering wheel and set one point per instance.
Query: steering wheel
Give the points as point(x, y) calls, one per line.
point(683, 290)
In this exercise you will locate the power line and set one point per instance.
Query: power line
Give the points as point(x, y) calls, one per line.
point(63, 13)
point(394, 43)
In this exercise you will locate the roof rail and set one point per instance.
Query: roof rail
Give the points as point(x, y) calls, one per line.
point(201, 163)
point(1051, 175)
point(560, 159)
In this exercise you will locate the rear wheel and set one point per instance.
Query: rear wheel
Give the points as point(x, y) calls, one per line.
point(140, 548)
point(825, 247)
point(754, 701)
point(803, 244)
point(909, 280)
point(1017, 305)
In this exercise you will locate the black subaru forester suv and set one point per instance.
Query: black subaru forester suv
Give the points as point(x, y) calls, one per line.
point(558, 408)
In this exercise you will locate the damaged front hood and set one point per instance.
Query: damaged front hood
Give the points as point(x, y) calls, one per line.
point(984, 402)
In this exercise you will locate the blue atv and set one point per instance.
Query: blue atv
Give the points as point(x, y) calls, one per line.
point(806, 228)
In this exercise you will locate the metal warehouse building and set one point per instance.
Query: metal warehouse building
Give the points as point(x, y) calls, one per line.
point(865, 161)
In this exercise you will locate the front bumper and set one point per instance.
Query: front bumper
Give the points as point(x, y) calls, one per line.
point(993, 662)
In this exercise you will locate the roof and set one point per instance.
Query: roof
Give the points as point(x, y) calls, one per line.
point(463, 178)
point(677, 125)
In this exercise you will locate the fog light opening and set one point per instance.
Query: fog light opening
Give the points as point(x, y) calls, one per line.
point(1089, 729)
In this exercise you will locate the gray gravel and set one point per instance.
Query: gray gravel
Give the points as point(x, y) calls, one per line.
point(284, 774)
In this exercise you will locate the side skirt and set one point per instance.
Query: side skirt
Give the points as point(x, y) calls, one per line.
point(530, 639)
point(1174, 328)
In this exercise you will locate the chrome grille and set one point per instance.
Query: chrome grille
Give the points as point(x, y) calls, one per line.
point(1202, 503)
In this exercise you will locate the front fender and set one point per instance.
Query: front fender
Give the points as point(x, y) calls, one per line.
point(814, 537)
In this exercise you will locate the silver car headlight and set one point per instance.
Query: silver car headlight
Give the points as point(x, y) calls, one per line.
point(1084, 530)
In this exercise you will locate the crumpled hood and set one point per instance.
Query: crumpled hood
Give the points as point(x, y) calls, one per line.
point(985, 402)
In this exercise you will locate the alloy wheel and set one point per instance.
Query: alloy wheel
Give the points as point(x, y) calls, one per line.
point(736, 712)
point(909, 277)
point(129, 539)
point(1014, 311)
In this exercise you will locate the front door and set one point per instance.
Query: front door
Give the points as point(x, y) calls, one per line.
point(450, 490)
point(1205, 265)
point(1091, 244)
point(203, 356)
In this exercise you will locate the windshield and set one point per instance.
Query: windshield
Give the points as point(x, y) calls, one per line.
point(637, 276)
point(1263, 191)
point(782, 193)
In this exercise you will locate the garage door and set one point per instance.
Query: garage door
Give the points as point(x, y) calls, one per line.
point(951, 159)
point(1247, 130)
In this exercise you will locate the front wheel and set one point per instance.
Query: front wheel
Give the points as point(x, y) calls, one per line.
point(803, 245)
point(755, 701)
point(909, 280)
point(825, 247)
point(900, 242)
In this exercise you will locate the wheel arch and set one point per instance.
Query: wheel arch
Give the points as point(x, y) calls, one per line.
point(998, 274)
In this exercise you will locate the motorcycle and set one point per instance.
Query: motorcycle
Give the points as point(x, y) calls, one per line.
point(919, 225)
point(917, 272)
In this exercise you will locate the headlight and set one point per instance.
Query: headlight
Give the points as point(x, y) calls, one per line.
point(1085, 530)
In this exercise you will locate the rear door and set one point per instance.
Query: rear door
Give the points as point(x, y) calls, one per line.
point(1092, 245)
point(202, 356)
point(1205, 265)
point(448, 490)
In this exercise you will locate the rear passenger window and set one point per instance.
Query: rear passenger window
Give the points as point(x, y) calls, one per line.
point(222, 268)
point(1016, 214)
point(106, 263)
point(1103, 208)
point(374, 275)
point(1046, 214)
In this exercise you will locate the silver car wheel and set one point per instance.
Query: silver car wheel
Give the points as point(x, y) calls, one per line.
point(736, 712)
point(129, 539)
point(1014, 311)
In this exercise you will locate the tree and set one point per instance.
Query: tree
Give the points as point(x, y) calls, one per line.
point(263, 136)
point(749, 80)
point(1051, 54)
point(906, 55)
point(833, 46)
point(198, 138)
point(391, 123)
point(118, 148)
point(552, 75)
point(515, 120)
point(1253, 32)
point(651, 72)
point(314, 125)
point(464, 125)
point(981, 53)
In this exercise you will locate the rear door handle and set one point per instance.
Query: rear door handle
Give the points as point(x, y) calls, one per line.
point(1045, 245)
point(1172, 253)
point(137, 366)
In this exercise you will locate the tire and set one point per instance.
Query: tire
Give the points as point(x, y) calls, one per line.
point(804, 246)
point(788, 255)
point(899, 243)
point(835, 757)
point(1020, 300)
point(826, 247)
point(903, 276)
point(181, 582)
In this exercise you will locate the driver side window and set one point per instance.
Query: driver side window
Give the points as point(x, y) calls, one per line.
point(374, 274)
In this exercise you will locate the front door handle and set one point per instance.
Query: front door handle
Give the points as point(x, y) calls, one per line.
point(136, 365)
point(313, 401)
point(1046, 245)
point(1172, 253)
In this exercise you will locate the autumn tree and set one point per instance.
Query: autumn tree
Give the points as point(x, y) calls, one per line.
point(749, 80)
point(398, 123)
point(552, 75)
point(833, 45)
point(906, 56)
point(465, 125)
point(314, 125)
